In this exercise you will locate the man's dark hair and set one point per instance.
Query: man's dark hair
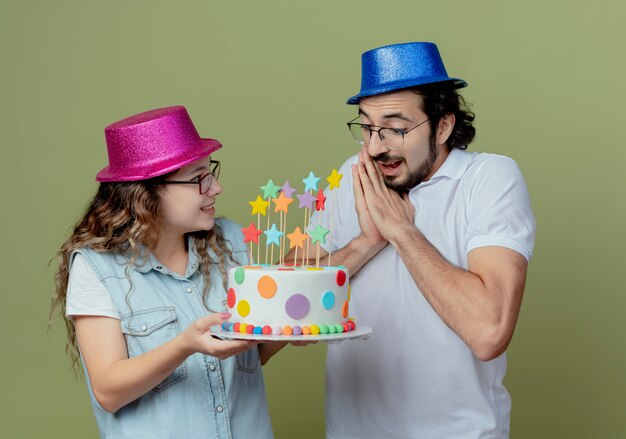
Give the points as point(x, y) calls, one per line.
point(441, 99)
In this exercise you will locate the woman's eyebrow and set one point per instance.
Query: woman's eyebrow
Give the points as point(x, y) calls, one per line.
point(196, 169)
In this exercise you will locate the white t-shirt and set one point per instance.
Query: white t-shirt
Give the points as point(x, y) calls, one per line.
point(86, 295)
point(414, 377)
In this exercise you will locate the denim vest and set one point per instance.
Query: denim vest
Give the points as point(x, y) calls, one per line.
point(204, 397)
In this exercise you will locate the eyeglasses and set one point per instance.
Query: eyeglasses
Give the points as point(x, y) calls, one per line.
point(204, 182)
point(392, 138)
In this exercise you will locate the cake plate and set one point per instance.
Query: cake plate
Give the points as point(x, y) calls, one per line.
point(361, 332)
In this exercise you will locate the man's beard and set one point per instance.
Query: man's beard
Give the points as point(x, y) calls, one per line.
point(415, 177)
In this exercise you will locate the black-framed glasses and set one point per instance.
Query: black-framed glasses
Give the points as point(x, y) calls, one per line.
point(205, 181)
point(392, 138)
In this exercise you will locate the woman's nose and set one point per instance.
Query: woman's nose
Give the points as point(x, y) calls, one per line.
point(216, 188)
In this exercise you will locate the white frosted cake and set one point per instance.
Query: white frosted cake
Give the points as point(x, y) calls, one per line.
point(275, 300)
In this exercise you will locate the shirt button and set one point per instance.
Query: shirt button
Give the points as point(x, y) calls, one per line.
point(144, 327)
point(158, 267)
point(212, 367)
point(189, 290)
point(219, 409)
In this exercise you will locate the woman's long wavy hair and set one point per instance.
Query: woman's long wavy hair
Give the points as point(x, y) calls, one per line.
point(123, 218)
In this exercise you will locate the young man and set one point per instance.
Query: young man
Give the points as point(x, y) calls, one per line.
point(437, 242)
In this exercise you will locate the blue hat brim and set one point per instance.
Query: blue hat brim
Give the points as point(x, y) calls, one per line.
point(401, 85)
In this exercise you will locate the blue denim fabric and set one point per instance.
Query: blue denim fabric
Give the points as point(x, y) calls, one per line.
point(204, 397)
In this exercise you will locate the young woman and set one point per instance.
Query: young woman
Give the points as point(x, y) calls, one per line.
point(142, 280)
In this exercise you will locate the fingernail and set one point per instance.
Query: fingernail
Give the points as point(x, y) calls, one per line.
point(225, 315)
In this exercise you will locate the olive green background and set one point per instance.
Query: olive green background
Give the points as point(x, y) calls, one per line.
point(269, 79)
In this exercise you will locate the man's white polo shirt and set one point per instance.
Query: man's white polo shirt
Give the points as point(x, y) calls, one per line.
point(414, 377)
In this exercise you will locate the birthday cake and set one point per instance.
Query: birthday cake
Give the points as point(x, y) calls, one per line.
point(275, 300)
point(301, 298)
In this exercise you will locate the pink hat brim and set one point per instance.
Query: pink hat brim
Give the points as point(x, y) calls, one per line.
point(206, 147)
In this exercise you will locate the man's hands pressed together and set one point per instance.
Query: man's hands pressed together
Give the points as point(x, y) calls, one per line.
point(383, 213)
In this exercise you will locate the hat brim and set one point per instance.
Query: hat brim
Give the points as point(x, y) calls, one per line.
point(203, 149)
point(401, 85)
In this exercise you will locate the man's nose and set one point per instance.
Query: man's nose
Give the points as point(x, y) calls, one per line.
point(375, 146)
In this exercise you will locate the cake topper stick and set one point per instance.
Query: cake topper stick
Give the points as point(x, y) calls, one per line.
point(330, 235)
point(305, 252)
point(268, 226)
point(306, 202)
point(251, 234)
point(286, 191)
point(318, 235)
point(270, 190)
point(282, 205)
point(307, 222)
point(259, 206)
point(305, 225)
point(258, 248)
point(333, 180)
point(273, 235)
point(283, 228)
point(319, 206)
point(317, 256)
point(310, 185)
point(296, 239)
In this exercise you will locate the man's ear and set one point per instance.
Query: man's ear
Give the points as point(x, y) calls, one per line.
point(444, 128)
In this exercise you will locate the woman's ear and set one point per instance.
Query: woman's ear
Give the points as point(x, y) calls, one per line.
point(444, 128)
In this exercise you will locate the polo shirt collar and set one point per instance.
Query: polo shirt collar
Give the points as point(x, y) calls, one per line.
point(453, 167)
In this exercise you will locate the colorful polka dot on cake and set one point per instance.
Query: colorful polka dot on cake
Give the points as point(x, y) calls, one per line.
point(231, 298)
point(297, 306)
point(243, 308)
point(328, 300)
point(341, 277)
point(267, 287)
point(240, 275)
